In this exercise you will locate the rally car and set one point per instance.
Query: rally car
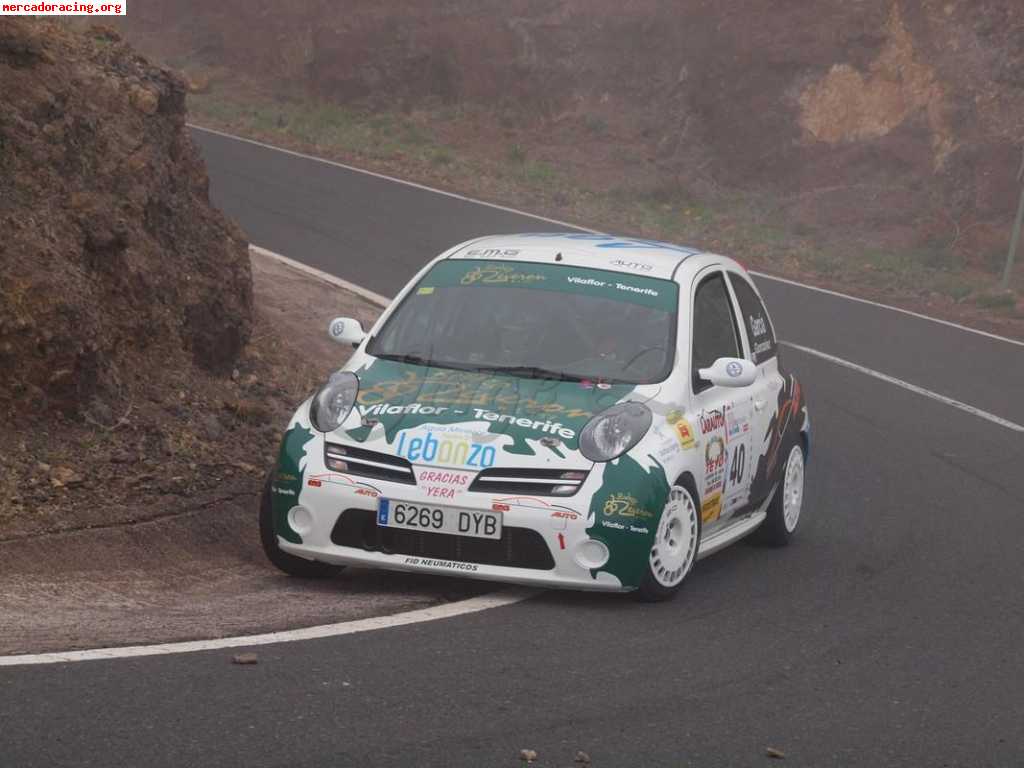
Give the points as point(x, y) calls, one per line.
point(564, 410)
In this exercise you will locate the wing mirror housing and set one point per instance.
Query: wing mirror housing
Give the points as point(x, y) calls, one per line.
point(346, 330)
point(730, 372)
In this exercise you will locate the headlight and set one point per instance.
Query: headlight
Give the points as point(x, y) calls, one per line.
point(333, 401)
point(613, 432)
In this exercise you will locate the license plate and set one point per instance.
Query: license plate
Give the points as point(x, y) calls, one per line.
point(435, 519)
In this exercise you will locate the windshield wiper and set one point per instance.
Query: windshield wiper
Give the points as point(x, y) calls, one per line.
point(420, 360)
point(532, 372)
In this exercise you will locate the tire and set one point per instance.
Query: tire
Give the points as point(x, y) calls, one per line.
point(784, 510)
point(675, 547)
point(290, 564)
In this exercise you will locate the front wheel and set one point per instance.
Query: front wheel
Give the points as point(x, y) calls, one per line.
point(290, 564)
point(784, 510)
point(675, 547)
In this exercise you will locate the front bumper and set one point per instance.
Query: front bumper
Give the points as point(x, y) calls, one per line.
point(560, 523)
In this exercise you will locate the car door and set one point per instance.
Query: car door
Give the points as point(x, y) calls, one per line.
point(717, 411)
point(762, 350)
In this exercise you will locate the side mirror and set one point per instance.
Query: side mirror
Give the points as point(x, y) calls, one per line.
point(346, 330)
point(730, 372)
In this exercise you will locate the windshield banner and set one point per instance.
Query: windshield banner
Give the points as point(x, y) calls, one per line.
point(635, 289)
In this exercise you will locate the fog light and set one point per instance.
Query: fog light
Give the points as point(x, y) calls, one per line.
point(301, 520)
point(591, 554)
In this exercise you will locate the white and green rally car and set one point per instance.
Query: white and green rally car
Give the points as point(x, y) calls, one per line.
point(564, 410)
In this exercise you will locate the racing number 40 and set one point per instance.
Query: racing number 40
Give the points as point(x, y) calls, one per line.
point(738, 466)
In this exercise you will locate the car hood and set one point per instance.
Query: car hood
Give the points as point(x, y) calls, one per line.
point(526, 421)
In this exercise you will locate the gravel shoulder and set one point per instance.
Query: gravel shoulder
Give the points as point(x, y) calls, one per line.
point(194, 569)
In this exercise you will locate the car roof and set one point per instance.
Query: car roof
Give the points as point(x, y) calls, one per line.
point(581, 249)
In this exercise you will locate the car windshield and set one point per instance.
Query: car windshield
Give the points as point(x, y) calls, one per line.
point(537, 321)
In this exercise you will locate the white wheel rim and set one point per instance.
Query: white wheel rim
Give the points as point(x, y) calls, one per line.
point(793, 489)
point(676, 542)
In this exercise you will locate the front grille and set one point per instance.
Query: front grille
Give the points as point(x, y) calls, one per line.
point(359, 461)
point(529, 482)
point(517, 547)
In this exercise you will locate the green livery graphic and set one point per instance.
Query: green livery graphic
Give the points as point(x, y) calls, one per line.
point(399, 396)
point(625, 512)
point(287, 482)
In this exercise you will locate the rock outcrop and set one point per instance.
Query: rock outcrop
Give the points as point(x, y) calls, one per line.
point(114, 267)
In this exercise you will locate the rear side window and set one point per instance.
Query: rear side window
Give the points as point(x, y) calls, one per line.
point(714, 328)
point(755, 319)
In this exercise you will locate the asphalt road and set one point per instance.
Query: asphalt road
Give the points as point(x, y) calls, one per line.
point(888, 634)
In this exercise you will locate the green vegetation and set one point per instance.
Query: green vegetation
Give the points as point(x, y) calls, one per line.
point(377, 136)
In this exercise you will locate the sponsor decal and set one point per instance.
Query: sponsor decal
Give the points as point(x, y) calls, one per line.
point(540, 426)
point(283, 491)
point(431, 563)
point(758, 325)
point(336, 478)
point(673, 416)
point(561, 541)
point(591, 282)
point(624, 505)
point(715, 459)
point(425, 290)
point(285, 477)
point(737, 421)
point(684, 433)
point(566, 514)
point(337, 329)
point(437, 447)
point(625, 527)
point(480, 414)
point(712, 421)
point(499, 507)
point(632, 265)
point(734, 370)
point(395, 410)
point(493, 252)
point(503, 274)
point(669, 449)
point(711, 508)
point(443, 484)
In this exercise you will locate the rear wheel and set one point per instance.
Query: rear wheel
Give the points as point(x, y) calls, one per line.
point(784, 510)
point(290, 564)
point(675, 546)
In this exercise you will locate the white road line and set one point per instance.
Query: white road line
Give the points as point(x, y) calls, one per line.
point(578, 228)
point(918, 315)
point(375, 298)
point(447, 611)
point(910, 387)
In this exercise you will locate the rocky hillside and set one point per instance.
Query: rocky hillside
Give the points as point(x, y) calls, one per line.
point(895, 120)
point(114, 268)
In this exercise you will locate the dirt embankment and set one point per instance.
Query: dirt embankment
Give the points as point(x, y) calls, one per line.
point(892, 122)
point(131, 384)
point(113, 262)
